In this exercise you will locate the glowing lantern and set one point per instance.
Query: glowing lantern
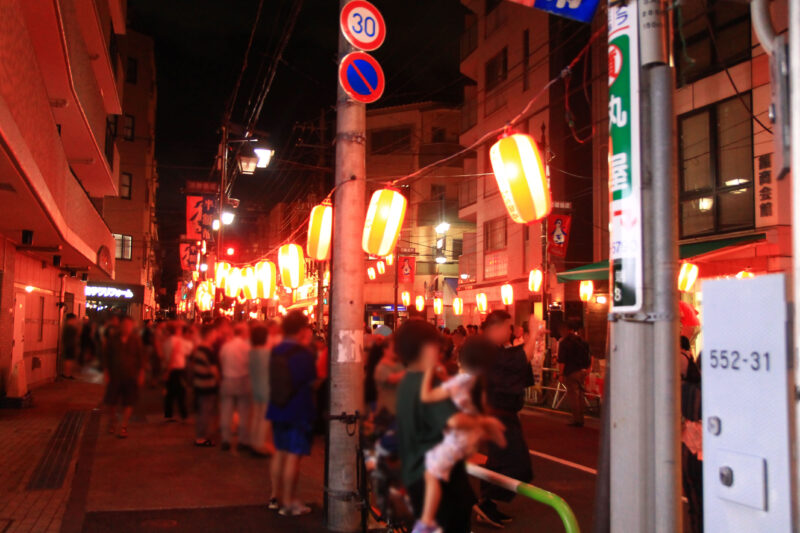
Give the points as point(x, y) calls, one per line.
point(371, 273)
point(249, 283)
point(458, 306)
point(437, 306)
point(519, 170)
point(535, 279)
point(507, 294)
point(586, 290)
point(281, 309)
point(406, 298)
point(233, 283)
point(389, 259)
point(481, 302)
point(385, 215)
point(420, 303)
point(745, 274)
point(687, 276)
point(221, 271)
point(381, 267)
point(320, 223)
point(195, 275)
point(292, 265)
point(265, 279)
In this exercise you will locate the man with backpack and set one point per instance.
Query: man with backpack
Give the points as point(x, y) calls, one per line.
point(574, 361)
point(292, 376)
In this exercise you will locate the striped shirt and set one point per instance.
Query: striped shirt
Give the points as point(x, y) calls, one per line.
point(203, 379)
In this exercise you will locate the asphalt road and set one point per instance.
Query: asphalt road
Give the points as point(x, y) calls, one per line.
point(155, 481)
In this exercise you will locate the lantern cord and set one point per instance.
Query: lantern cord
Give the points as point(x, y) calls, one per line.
point(563, 75)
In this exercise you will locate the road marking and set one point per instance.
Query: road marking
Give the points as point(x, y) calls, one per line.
point(564, 462)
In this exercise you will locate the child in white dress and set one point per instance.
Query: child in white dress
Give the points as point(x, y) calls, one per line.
point(465, 430)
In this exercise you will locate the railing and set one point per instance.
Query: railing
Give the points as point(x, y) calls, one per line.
point(430, 152)
point(469, 114)
point(495, 19)
point(432, 212)
point(467, 268)
point(469, 41)
point(467, 192)
point(529, 491)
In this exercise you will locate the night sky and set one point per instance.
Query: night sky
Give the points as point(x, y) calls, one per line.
point(200, 46)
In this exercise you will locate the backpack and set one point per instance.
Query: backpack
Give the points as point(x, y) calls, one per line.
point(586, 354)
point(281, 387)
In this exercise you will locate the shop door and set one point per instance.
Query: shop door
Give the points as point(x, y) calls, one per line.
point(17, 385)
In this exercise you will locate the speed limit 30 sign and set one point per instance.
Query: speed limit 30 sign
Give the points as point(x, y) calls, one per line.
point(362, 25)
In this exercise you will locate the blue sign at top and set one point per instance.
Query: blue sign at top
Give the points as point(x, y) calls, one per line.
point(580, 10)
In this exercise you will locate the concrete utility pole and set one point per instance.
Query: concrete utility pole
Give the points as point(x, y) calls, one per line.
point(644, 406)
point(794, 121)
point(347, 310)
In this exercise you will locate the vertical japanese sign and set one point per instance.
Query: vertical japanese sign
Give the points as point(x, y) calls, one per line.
point(199, 216)
point(624, 172)
point(408, 268)
point(558, 231)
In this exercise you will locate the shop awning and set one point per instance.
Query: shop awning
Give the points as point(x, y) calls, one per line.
point(302, 304)
point(599, 271)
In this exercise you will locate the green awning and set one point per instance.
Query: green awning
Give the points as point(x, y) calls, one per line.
point(599, 271)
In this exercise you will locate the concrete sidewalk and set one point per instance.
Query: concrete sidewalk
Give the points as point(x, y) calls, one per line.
point(153, 480)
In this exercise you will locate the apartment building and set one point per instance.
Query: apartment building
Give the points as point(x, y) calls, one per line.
point(61, 79)
point(511, 52)
point(400, 140)
point(131, 214)
point(733, 211)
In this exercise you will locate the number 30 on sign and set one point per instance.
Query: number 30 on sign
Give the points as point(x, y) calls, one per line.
point(362, 25)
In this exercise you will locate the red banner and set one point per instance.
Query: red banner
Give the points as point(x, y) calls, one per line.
point(194, 217)
point(189, 253)
point(408, 267)
point(558, 230)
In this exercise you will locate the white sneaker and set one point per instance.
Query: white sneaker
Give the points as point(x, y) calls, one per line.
point(295, 509)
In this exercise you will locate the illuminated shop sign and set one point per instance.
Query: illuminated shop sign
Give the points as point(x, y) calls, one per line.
point(127, 293)
point(108, 292)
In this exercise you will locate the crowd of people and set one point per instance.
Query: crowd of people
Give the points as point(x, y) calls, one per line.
point(260, 387)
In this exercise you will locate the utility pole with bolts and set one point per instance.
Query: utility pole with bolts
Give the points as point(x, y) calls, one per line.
point(347, 311)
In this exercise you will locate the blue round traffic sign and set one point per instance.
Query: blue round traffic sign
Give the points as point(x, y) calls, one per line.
point(361, 77)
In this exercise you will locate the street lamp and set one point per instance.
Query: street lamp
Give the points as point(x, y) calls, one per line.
point(249, 158)
point(442, 227)
point(227, 217)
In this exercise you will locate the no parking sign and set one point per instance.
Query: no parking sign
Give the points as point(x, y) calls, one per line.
point(361, 77)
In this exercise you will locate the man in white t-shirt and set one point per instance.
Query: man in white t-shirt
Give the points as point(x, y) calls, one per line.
point(236, 390)
point(176, 350)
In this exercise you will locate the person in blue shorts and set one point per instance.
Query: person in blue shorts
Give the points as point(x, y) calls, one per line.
point(293, 376)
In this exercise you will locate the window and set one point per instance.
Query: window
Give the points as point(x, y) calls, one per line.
point(716, 165)
point(467, 192)
point(387, 140)
point(703, 55)
point(131, 70)
point(526, 58)
point(438, 135)
point(124, 249)
point(125, 179)
point(494, 234)
point(128, 127)
point(496, 70)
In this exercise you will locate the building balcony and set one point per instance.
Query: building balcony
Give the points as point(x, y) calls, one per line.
point(467, 47)
point(79, 89)
point(432, 212)
point(469, 114)
point(42, 195)
point(105, 61)
point(432, 152)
